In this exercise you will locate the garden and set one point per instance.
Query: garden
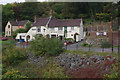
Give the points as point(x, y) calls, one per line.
point(46, 58)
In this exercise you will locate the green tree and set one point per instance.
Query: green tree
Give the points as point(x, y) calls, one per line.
point(18, 31)
point(7, 14)
point(28, 26)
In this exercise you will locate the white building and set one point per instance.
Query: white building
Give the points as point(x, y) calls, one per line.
point(54, 28)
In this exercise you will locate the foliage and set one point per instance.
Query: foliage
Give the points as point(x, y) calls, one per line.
point(7, 14)
point(114, 72)
point(28, 26)
point(27, 10)
point(53, 71)
point(12, 74)
point(105, 44)
point(103, 16)
point(84, 44)
point(46, 46)
point(69, 40)
point(13, 55)
point(18, 31)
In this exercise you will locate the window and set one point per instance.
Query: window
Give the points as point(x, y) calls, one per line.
point(52, 28)
point(39, 29)
point(71, 34)
point(44, 30)
point(8, 26)
point(60, 28)
point(9, 32)
point(72, 28)
point(33, 29)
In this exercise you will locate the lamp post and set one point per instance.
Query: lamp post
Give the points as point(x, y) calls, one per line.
point(112, 22)
point(112, 26)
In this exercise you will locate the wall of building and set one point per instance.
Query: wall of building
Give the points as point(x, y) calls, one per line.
point(8, 30)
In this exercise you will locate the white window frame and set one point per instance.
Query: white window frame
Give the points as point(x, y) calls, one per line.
point(60, 28)
point(72, 27)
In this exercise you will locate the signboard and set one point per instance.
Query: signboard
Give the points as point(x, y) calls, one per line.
point(101, 33)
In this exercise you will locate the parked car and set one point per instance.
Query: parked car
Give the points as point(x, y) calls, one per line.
point(4, 38)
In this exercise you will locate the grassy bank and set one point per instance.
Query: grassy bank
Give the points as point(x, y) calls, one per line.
point(87, 53)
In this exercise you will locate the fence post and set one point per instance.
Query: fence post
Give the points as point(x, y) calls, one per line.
point(103, 49)
point(76, 45)
point(89, 47)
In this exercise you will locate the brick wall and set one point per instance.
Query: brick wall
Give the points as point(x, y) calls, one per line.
point(116, 36)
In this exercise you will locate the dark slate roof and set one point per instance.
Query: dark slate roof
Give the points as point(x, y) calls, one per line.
point(40, 22)
point(18, 23)
point(61, 23)
point(57, 22)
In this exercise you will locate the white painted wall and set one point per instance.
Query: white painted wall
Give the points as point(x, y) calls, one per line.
point(8, 30)
point(70, 33)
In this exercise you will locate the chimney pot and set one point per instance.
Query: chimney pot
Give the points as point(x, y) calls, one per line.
point(51, 12)
point(35, 19)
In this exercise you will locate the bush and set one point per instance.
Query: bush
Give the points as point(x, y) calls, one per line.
point(13, 55)
point(14, 33)
point(46, 46)
point(105, 44)
point(114, 72)
point(84, 44)
point(53, 71)
point(12, 74)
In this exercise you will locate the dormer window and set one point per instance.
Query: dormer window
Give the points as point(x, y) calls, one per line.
point(72, 28)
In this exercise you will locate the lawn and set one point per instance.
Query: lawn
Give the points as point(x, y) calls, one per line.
point(0, 42)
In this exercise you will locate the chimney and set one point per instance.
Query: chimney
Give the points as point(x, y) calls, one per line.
point(51, 12)
point(35, 19)
point(16, 20)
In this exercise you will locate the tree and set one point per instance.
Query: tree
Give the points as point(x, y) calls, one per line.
point(28, 26)
point(18, 31)
point(28, 11)
point(7, 14)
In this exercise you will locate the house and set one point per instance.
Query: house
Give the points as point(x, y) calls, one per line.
point(14, 25)
point(71, 28)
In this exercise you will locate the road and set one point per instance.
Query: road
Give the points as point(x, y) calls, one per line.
point(77, 46)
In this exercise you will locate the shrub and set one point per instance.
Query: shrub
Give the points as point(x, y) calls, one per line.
point(14, 33)
point(13, 55)
point(84, 44)
point(114, 72)
point(12, 74)
point(54, 46)
point(53, 71)
point(105, 44)
point(46, 46)
point(69, 40)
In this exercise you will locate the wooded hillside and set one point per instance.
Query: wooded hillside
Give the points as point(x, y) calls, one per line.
point(89, 11)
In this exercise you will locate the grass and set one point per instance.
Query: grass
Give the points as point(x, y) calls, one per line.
point(0, 42)
point(87, 53)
